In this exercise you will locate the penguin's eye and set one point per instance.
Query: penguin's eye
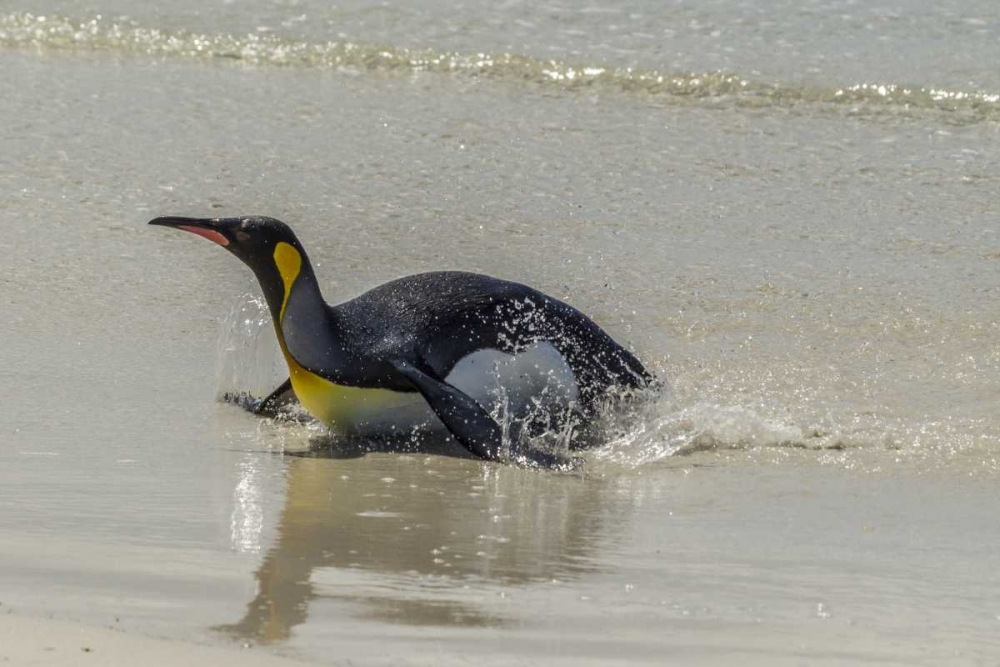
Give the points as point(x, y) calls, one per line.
point(242, 236)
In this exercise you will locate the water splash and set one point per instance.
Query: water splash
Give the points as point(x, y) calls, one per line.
point(633, 428)
point(123, 36)
point(656, 428)
point(546, 422)
point(248, 359)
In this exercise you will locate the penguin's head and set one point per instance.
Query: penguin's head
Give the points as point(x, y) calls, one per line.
point(268, 246)
point(253, 239)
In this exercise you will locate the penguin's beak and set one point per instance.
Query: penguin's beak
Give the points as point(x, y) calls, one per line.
point(213, 229)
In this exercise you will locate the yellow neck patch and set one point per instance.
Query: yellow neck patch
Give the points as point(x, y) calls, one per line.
point(333, 404)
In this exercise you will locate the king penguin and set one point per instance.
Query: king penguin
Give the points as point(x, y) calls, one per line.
point(439, 344)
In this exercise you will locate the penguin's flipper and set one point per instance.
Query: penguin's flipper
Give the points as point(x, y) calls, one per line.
point(462, 416)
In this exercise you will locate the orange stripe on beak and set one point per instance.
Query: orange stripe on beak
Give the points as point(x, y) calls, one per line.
point(209, 234)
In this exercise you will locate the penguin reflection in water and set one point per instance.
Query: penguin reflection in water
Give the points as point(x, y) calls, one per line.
point(447, 344)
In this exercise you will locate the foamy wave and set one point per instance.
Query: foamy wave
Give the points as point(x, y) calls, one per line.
point(23, 30)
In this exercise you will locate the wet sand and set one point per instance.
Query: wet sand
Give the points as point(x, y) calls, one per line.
point(765, 567)
point(33, 641)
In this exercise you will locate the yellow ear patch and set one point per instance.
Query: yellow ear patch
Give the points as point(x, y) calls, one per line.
point(289, 263)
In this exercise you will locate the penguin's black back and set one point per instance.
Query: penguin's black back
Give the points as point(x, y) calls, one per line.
point(436, 319)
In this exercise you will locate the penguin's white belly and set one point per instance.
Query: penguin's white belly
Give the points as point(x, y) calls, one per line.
point(535, 379)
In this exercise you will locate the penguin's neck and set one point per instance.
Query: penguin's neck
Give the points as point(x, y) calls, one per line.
point(302, 320)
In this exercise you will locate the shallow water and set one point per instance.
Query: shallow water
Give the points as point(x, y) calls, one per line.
point(814, 274)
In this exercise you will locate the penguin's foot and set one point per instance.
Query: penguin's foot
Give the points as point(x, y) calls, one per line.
point(276, 404)
point(243, 399)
